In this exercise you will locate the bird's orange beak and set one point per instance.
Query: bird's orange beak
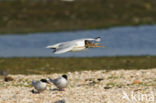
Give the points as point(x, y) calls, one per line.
point(98, 45)
point(48, 82)
point(92, 45)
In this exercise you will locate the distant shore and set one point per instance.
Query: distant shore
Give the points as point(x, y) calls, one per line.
point(27, 16)
point(62, 65)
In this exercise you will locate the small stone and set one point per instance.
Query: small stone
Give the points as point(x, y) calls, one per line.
point(60, 101)
point(107, 87)
point(89, 79)
point(100, 79)
point(8, 78)
point(136, 82)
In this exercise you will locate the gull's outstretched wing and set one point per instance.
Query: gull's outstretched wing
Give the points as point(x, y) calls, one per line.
point(65, 47)
point(97, 39)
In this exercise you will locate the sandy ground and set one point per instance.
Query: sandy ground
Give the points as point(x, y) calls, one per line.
point(116, 86)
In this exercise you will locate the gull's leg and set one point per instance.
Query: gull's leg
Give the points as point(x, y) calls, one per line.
point(61, 89)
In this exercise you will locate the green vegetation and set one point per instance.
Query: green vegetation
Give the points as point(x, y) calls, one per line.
point(57, 65)
point(25, 16)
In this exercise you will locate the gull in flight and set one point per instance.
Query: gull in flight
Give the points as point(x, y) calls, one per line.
point(75, 45)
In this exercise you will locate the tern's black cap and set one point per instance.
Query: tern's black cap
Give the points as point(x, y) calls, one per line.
point(65, 76)
point(44, 80)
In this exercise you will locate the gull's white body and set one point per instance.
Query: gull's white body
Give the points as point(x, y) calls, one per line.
point(60, 82)
point(39, 86)
point(74, 45)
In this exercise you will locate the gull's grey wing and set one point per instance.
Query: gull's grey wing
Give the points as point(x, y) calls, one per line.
point(55, 81)
point(33, 83)
point(97, 39)
point(65, 47)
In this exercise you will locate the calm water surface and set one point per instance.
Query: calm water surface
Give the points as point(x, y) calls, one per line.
point(119, 41)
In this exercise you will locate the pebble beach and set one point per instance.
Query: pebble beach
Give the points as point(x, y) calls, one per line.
point(101, 86)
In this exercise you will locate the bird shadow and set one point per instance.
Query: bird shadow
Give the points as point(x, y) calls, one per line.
point(34, 92)
point(54, 89)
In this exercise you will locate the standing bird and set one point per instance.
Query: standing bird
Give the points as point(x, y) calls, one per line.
point(40, 85)
point(60, 82)
point(75, 45)
point(6, 77)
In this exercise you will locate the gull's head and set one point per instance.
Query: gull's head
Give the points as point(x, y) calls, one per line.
point(44, 81)
point(98, 39)
point(90, 44)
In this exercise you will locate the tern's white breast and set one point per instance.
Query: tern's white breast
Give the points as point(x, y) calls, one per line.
point(39, 85)
point(79, 45)
point(78, 49)
point(62, 83)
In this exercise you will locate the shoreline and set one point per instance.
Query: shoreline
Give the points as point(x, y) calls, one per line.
point(63, 65)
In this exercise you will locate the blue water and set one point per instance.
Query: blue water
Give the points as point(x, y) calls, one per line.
point(119, 41)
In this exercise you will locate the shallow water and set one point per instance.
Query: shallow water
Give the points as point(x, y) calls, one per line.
point(119, 41)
